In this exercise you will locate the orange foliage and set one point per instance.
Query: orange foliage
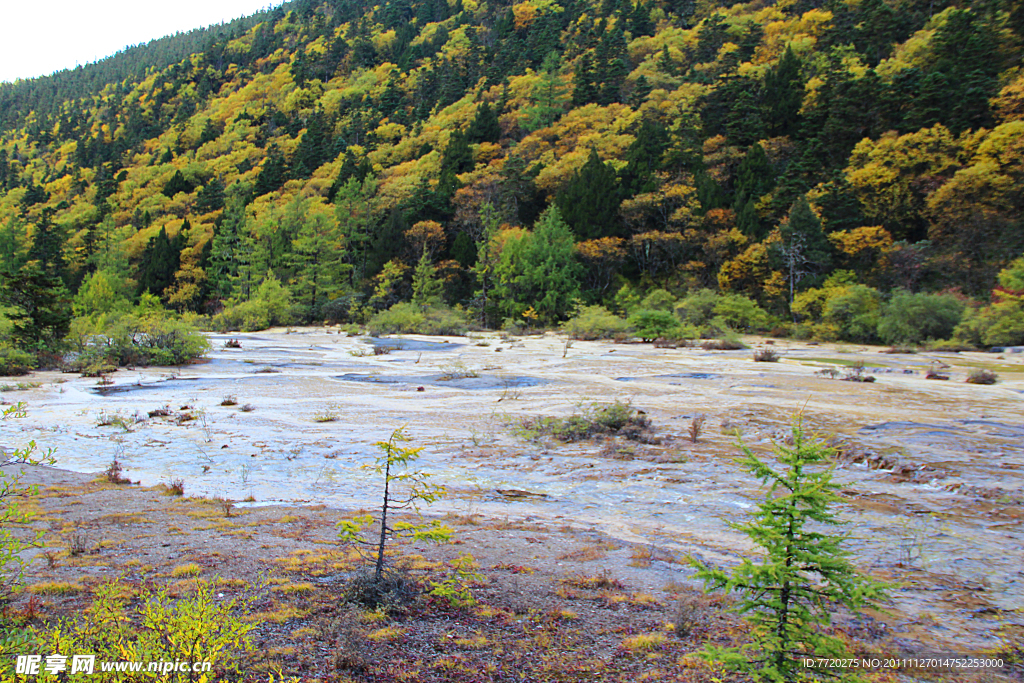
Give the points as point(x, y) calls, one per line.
point(426, 237)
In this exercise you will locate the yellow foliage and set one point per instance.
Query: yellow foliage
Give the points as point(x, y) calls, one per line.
point(1010, 102)
point(384, 40)
point(390, 131)
point(526, 12)
point(565, 146)
point(426, 34)
point(485, 152)
point(858, 240)
point(883, 172)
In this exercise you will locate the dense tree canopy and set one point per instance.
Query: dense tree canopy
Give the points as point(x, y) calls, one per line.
point(346, 152)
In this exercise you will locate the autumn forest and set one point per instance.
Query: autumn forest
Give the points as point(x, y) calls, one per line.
point(833, 169)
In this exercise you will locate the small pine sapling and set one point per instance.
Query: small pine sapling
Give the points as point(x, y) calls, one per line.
point(787, 597)
point(392, 463)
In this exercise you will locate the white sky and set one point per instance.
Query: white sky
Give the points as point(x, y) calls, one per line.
point(39, 37)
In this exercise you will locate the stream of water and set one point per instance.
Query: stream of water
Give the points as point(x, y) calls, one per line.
point(932, 473)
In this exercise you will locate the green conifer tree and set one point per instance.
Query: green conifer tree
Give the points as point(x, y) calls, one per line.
point(789, 596)
point(426, 287)
point(590, 201)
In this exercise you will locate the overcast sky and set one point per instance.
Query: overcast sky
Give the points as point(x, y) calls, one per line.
point(41, 37)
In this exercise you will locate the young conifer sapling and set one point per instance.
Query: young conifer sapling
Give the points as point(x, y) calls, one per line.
point(788, 597)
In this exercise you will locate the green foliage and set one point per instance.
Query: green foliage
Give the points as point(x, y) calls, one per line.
point(790, 594)
point(590, 201)
point(741, 313)
point(1001, 323)
point(538, 270)
point(408, 318)
point(845, 310)
point(594, 322)
point(271, 306)
point(714, 315)
point(367, 119)
point(145, 335)
point(804, 251)
point(998, 324)
point(650, 325)
point(12, 490)
point(392, 464)
point(426, 287)
point(102, 291)
point(157, 627)
point(910, 318)
point(619, 417)
point(13, 361)
point(658, 300)
point(454, 589)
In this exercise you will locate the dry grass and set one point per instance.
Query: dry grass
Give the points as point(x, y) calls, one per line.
point(55, 588)
point(644, 642)
point(186, 570)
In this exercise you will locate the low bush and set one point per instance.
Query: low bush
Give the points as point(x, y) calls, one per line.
point(619, 418)
point(143, 337)
point(594, 322)
point(766, 355)
point(979, 376)
point(15, 362)
point(272, 306)
point(714, 314)
point(156, 628)
point(728, 343)
point(409, 318)
point(839, 309)
point(914, 318)
point(652, 324)
point(999, 324)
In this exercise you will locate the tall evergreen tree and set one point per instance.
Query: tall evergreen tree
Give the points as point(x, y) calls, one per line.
point(784, 95)
point(590, 201)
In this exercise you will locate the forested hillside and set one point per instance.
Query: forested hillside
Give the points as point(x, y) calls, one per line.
point(840, 164)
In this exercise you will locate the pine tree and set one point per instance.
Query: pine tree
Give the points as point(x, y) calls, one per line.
point(317, 260)
point(426, 287)
point(484, 127)
point(783, 95)
point(550, 272)
point(590, 201)
point(791, 593)
point(805, 250)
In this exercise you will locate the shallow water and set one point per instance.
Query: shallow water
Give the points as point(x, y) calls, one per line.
point(932, 475)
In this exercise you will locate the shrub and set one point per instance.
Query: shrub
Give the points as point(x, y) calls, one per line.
point(141, 337)
point(650, 325)
point(979, 376)
point(615, 418)
point(658, 300)
point(913, 318)
point(727, 343)
point(271, 306)
point(159, 628)
point(15, 361)
point(840, 309)
point(697, 308)
point(741, 313)
point(766, 355)
point(409, 318)
point(594, 322)
point(115, 473)
point(999, 324)
point(12, 490)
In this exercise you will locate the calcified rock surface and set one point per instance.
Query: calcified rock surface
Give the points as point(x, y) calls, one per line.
point(932, 471)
